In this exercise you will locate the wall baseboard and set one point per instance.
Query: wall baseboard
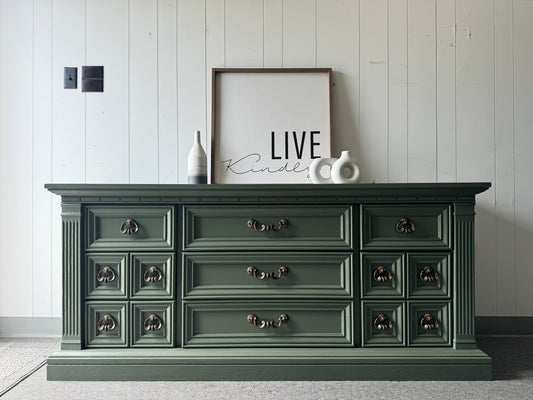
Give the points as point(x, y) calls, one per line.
point(504, 325)
point(38, 326)
point(30, 326)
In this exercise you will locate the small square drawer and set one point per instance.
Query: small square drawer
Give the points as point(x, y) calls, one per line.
point(130, 227)
point(382, 275)
point(268, 324)
point(106, 276)
point(252, 274)
point(383, 323)
point(405, 226)
point(429, 274)
point(429, 323)
point(152, 275)
point(152, 324)
point(268, 227)
point(106, 324)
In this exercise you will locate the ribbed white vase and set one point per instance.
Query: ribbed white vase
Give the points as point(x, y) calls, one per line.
point(345, 169)
point(197, 162)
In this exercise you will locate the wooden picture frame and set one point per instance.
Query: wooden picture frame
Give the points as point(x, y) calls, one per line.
point(268, 124)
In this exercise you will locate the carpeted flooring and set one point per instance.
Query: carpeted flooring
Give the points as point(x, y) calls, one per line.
point(513, 379)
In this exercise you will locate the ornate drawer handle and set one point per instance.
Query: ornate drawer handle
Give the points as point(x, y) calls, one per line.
point(428, 274)
point(252, 271)
point(253, 224)
point(382, 274)
point(254, 320)
point(429, 322)
point(106, 323)
point(405, 225)
point(153, 274)
point(106, 274)
point(153, 323)
point(382, 322)
point(129, 227)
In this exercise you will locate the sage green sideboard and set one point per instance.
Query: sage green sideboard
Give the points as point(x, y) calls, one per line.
point(268, 282)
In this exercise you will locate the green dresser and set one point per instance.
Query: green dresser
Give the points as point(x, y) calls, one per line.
point(268, 282)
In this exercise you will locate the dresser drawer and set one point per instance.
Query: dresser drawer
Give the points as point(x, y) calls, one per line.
point(106, 276)
point(429, 275)
point(152, 324)
point(268, 323)
point(383, 323)
point(429, 323)
point(382, 275)
point(267, 275)
point(405, 226)
point(130, 227)
point(152, 275)
point(267, 227)
point(106, 324)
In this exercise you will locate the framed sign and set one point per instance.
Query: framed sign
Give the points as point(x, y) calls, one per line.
point(268, 125)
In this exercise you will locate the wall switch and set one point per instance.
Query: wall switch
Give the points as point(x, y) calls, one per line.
point(92, 78)
point(71, 78)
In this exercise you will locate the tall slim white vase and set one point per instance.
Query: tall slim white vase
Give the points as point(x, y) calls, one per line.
point(197, 162)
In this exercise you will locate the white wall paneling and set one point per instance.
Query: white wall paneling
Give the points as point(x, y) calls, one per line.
point(424, 90)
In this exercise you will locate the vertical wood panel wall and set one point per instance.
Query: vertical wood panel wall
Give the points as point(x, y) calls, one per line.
point(425, 91)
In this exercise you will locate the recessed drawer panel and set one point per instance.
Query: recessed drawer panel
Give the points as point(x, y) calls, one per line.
point(152, 324)
point(429, 323)
point(405, 226)
point(268, 275)
point(429, 274)
point(382, 275)
point(130, 227)
point(383, 323)
point(152, 275)
point(268, 227)
point(266, 323)
point(106, 276)
point(106, 324)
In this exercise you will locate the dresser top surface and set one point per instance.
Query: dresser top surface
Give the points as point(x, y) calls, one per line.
point(364, 192)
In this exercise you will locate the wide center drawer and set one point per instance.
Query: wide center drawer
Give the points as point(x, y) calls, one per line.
point(249, 274)
point(268, 323)
point(267, 227)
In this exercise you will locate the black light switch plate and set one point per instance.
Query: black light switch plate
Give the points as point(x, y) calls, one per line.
point(70, 78)
point(92, 79)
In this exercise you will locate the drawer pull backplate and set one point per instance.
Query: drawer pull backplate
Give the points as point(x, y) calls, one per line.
point(106, 274)
point(382, 322)
point(253, 224)
point(252, 271)
point(405, 225)
point(254, 320)
point(129, 227)
point(382, 274)
point(429, 322)
point(106, 323)
point(153, 274)
point(153, 323)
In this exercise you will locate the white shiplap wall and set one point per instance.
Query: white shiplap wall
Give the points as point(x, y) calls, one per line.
point(425, 91)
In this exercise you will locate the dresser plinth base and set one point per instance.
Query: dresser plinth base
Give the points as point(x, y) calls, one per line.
point(270, 364)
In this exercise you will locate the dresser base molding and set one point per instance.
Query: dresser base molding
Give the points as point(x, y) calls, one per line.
point(269, 364)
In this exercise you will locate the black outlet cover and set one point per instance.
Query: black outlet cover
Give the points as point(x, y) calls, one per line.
point(91, 72)
point(70, 78)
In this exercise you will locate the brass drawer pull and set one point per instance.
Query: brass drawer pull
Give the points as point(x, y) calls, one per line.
point(106, 323)
point(153, 323)
point(428, 274)
point(129, 227)
point(382, 322)
point(429, 322)
point(252, 271)
point(153, 274)
point(254, 320)
point(106, 274)
point(382, 274)
point(405, 225)
point(253, 224)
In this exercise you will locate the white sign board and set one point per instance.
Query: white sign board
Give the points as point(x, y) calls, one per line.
point(269, 124)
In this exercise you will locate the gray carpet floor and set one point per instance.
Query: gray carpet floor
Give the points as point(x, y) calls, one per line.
point(513, 379)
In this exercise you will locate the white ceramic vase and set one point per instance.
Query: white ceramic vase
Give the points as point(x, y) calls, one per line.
point(315, 170)
point(345, 169)
point(197, 162)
